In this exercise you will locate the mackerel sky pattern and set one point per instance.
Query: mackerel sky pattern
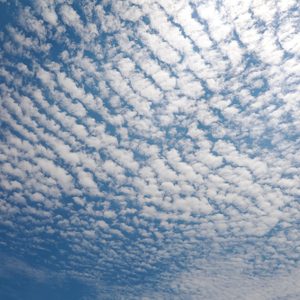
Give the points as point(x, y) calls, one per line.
point(149, 149)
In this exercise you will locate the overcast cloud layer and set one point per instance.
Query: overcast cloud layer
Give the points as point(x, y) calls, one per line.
point(150, 149)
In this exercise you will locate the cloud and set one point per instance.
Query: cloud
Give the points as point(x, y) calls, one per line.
point(144, 145)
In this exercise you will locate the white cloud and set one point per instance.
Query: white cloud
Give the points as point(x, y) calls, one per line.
point(158, 137)
point(47, 10)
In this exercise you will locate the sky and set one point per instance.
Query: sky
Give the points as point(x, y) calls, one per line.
point(149, 149)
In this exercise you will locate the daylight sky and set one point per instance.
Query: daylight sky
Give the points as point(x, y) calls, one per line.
point(149, 149)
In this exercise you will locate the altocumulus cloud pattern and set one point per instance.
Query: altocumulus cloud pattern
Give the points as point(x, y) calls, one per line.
point(150, 149)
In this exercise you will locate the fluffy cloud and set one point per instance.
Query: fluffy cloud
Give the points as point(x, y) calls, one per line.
point(146, 143)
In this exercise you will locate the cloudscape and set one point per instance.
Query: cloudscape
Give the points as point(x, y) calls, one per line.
point(149, 149)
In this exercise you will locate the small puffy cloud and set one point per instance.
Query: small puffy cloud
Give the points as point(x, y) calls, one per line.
point(144, 140)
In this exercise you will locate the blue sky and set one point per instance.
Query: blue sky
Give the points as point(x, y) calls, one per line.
point(149, 149)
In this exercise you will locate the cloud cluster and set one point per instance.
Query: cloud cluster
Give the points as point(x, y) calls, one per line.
point(140, 140)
